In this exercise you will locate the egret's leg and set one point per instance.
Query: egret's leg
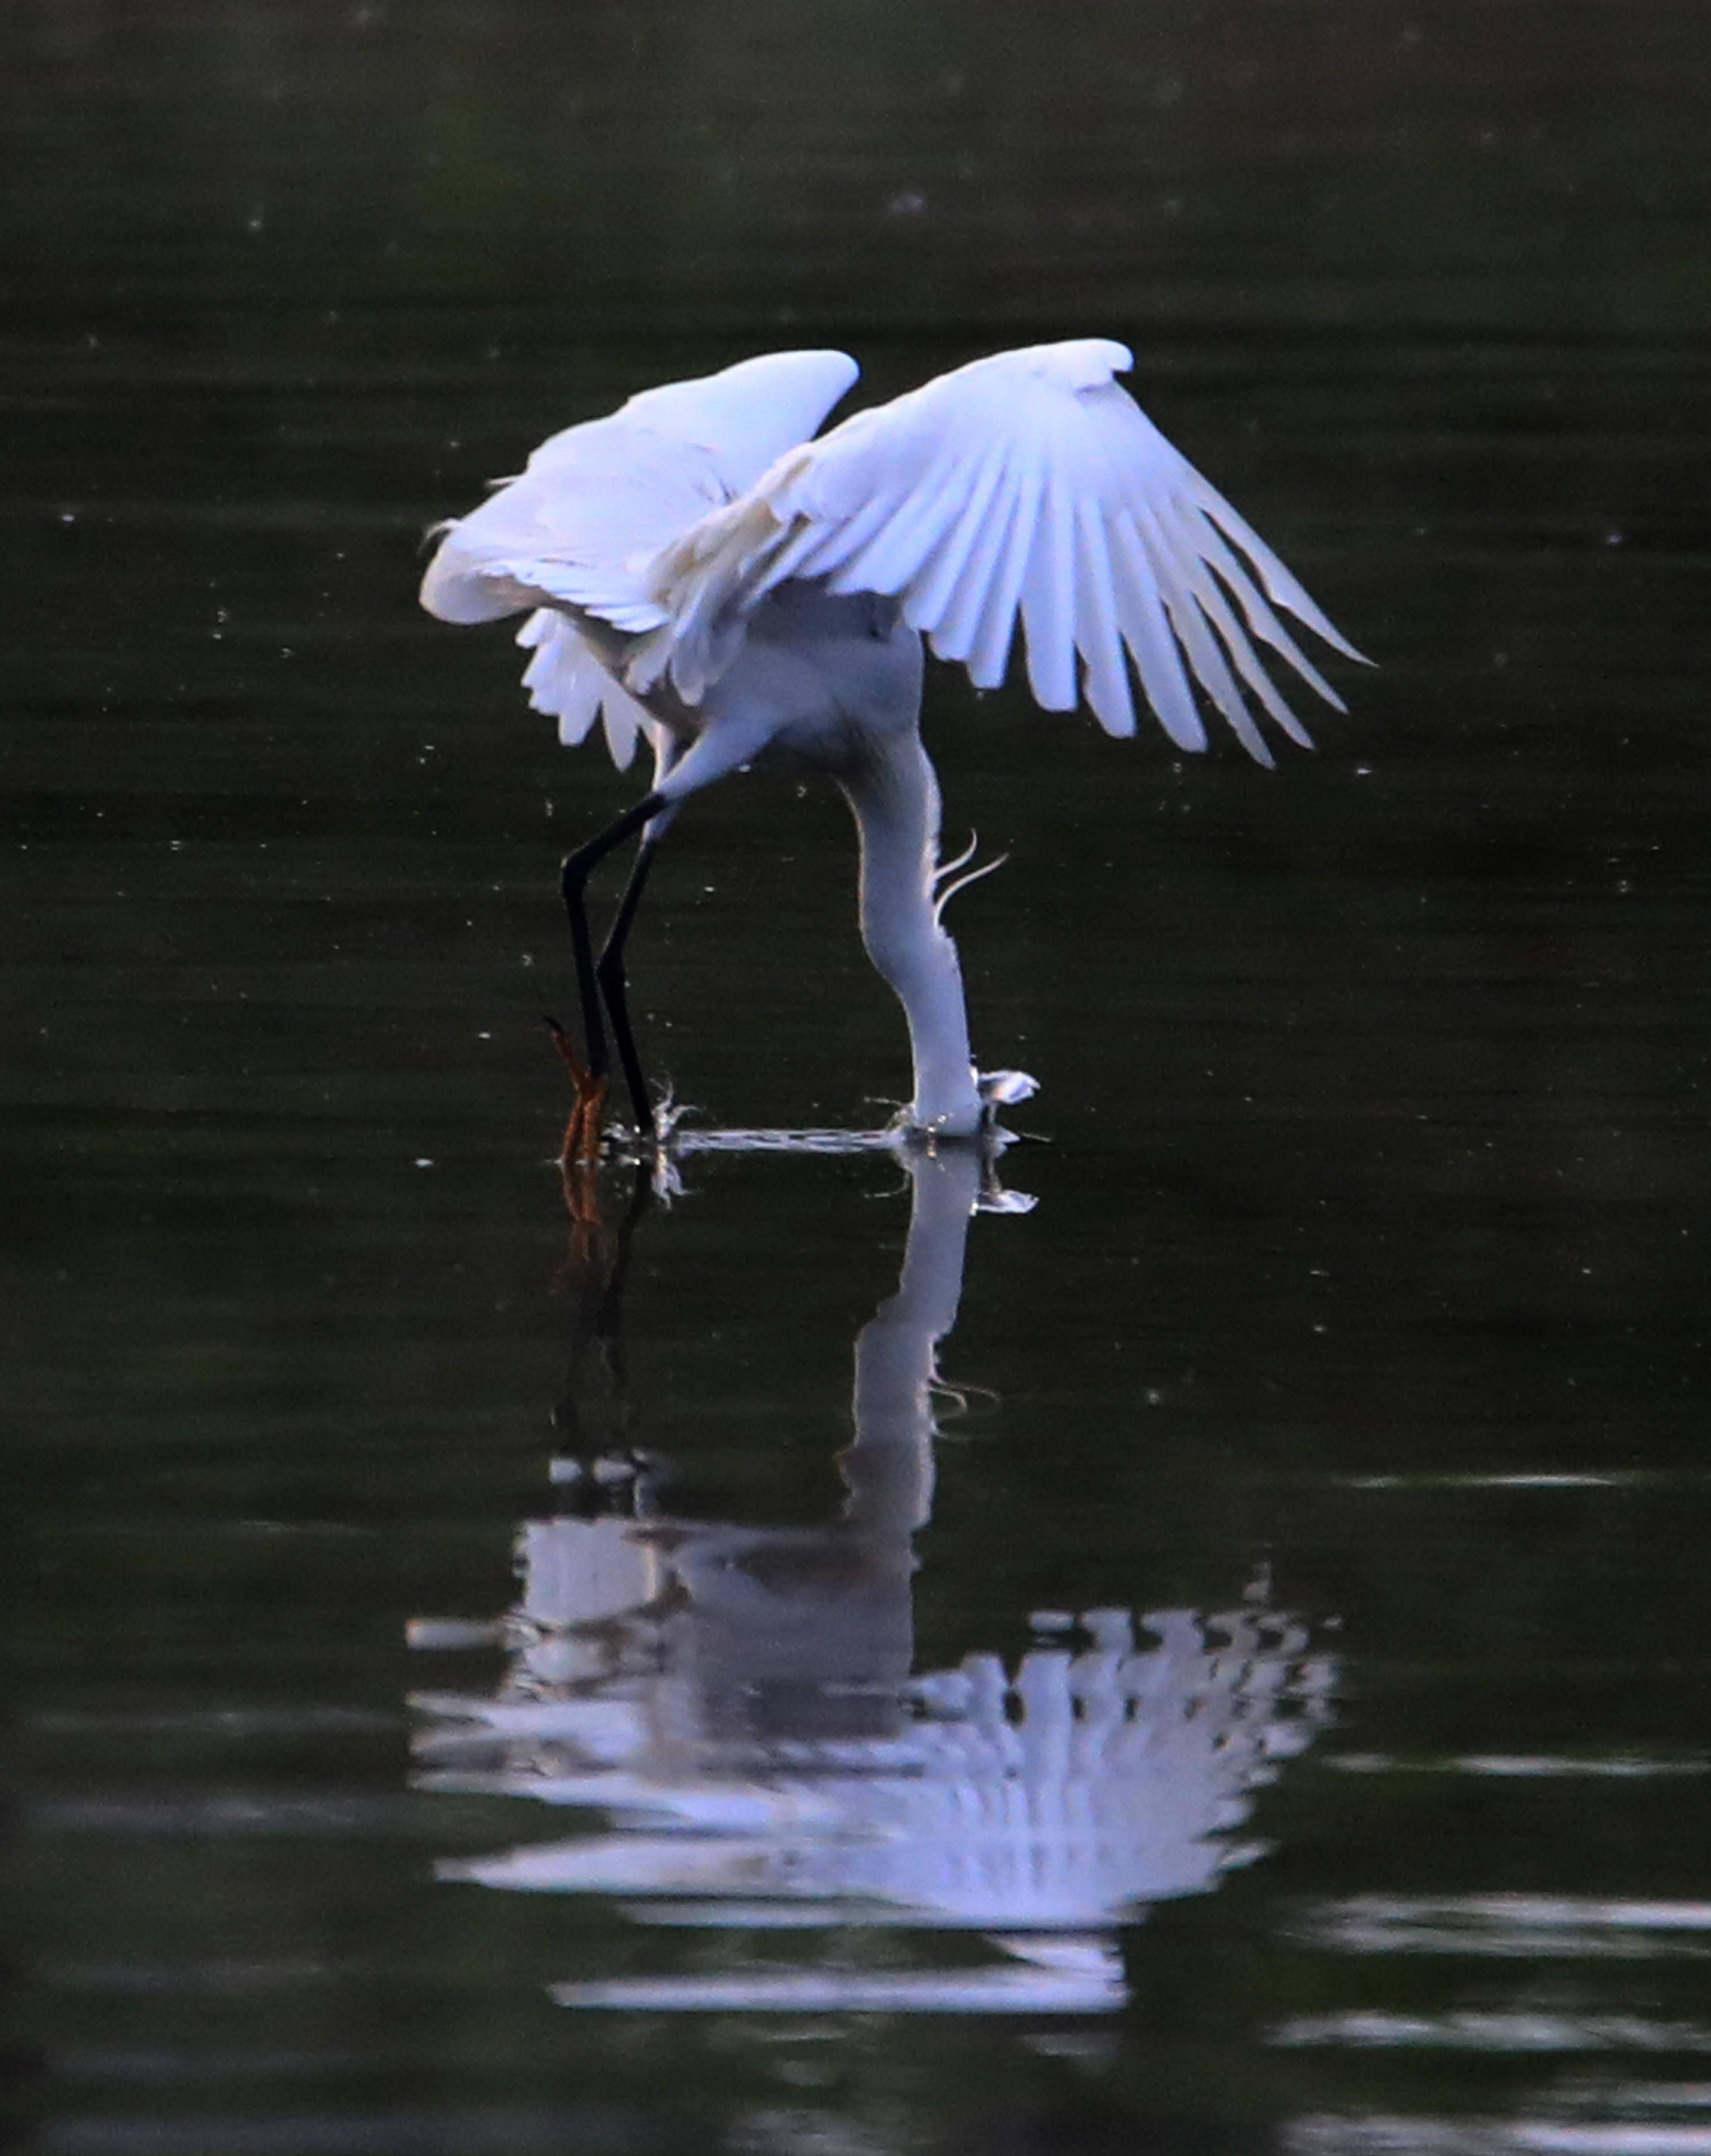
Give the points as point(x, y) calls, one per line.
point(610, 972)
point(583, 1136)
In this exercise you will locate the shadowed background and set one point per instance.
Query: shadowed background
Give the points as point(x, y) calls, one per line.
point(1370, 1240)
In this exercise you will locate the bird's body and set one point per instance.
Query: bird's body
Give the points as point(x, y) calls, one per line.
point(699, 574)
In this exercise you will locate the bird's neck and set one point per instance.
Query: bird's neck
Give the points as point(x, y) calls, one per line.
point(895, 797)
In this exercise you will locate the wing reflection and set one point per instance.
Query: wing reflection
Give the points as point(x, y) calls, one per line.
point(741, 1704)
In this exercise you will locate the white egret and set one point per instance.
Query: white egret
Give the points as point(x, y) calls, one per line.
point(699, 573)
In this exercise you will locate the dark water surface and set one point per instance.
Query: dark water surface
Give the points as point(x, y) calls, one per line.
point(484, 1679)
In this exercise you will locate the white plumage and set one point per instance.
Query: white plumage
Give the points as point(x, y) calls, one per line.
point(1025, 485)
point(656, 552)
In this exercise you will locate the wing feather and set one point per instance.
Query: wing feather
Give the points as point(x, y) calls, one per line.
point(1243, 658)
point(833, 544)
point(1204, 657)
point(1284, 588)
point(1049, 601)
point(565, 679)
point(1145, 630)
point(1026, 488)
point(903, 545)
point(1105, 677)
point(599, 500)
point(930, 599)
point(563, 676)
point(1210, 546)
point(954, 634)
point(1258, 615)
point(996, 634)
point(625, 723)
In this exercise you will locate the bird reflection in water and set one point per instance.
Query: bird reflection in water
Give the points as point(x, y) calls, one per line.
point(741, 1703)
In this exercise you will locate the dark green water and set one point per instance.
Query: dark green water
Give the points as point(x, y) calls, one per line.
point(1270, 1712)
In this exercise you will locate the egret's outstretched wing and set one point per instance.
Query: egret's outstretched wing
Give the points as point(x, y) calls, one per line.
point(1028, 486)
point(599, 500)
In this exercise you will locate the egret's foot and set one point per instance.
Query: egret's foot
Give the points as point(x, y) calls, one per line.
point(588, 1119)
point(1003, 1089)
